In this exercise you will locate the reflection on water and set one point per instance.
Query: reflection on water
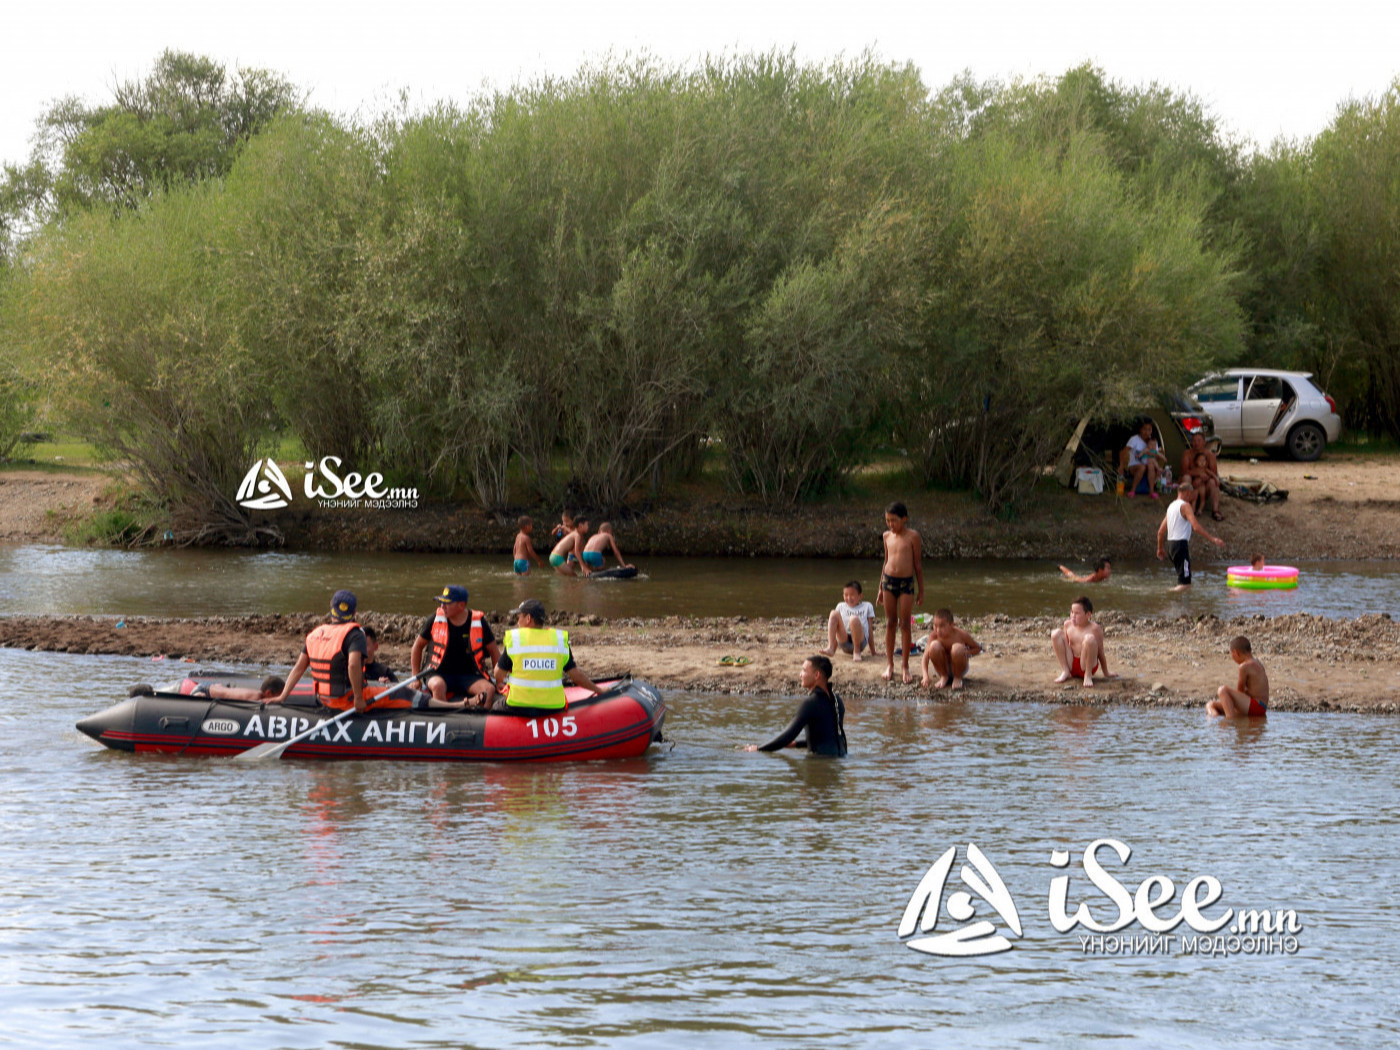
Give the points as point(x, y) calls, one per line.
point(710, 894)
point(224, 582)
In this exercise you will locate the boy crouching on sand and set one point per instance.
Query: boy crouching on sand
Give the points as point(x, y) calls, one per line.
point(949, 650)
point(851, 625)
point(1250, 697)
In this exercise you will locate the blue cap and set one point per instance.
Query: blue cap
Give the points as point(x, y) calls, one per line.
point(343, 606)
point(452, 593)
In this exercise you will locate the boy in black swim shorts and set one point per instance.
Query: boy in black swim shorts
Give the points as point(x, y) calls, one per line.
point(901, 583)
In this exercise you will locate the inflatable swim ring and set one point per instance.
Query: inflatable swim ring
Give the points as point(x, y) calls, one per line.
point(1269, 578)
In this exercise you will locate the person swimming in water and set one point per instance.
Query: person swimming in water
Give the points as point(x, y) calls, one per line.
point(1103, 569)
point(822, 714)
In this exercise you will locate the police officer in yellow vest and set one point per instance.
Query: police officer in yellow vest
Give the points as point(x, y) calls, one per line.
point(536, 659)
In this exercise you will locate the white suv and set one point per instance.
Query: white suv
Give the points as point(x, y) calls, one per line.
point(1266, 408)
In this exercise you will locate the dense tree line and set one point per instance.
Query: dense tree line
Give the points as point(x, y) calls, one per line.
point(579, 287)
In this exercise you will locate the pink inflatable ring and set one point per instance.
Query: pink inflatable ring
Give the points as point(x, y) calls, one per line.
point(1269, 578)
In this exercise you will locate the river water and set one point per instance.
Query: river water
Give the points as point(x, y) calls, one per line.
point(700, 896)
point(211, 582)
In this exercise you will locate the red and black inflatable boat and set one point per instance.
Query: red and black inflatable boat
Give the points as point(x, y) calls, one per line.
point(622, 722)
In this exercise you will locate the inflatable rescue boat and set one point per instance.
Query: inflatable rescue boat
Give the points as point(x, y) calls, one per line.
point(621, 722)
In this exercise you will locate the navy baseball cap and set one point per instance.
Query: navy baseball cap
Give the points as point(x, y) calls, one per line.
point(531, 607)
point(343, 606)
point(452, 593)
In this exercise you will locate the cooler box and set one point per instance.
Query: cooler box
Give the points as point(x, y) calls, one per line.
point(1089, 480)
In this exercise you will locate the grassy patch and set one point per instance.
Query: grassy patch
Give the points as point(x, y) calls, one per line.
point(122, 517)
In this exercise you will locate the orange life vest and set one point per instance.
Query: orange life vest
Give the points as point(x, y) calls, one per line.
point(328, 670)
point(476, 640)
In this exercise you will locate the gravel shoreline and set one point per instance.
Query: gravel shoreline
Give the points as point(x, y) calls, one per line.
point(1314, 663)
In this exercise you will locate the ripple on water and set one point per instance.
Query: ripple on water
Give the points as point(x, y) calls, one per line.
point(716, 896)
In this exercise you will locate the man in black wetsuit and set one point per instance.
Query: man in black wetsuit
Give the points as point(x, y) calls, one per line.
point(822, 714)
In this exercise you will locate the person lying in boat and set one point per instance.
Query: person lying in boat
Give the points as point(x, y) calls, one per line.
point(463, 650)
point(822, 714)
point(530, 673)
point(375, 671)
point(271, 686)
point(597, 547)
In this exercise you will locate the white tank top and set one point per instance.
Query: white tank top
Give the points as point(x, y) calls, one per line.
point(1178, 528)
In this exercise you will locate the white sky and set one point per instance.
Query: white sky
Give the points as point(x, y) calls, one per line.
point(1263, 69)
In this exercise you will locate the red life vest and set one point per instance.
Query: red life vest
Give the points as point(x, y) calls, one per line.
point(323, 650)
point(476, 640)
point(328, 669)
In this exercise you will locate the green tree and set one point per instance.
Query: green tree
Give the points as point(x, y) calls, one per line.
point(185, 121)
point(123, 322)
point(1355, 179)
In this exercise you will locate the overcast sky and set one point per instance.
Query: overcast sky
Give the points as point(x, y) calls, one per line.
point(1264, 69)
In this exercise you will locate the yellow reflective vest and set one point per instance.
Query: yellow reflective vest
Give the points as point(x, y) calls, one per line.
point(537, 659)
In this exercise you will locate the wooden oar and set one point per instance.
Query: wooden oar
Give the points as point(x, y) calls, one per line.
point(272, 751)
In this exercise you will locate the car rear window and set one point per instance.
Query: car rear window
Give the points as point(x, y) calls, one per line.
point(1226, 388)
point(1265, 388)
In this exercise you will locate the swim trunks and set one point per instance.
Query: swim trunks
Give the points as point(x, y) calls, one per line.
point(1180, 550)
point(897, 585)
point(1076, 669)
point(522, 566)
point(593, 559)
point(1256, 709)
point(556, 560)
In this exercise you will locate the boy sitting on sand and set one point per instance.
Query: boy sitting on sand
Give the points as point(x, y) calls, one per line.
point(525, 546)
point(949, 650)
point(597, 547)
point(851, 625)
point(1250, 697)
point(1078, 645)
point(904, 566)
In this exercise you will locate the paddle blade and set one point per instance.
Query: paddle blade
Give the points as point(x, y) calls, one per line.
point(263, 752)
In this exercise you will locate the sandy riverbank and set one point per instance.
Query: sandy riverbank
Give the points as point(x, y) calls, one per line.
point(1345, 506)
point(1314, 664)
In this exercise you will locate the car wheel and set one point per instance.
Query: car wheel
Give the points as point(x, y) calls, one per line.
point(1306, 442)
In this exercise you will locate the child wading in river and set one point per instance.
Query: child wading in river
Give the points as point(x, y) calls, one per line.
point(901, 583)
point(525, 546)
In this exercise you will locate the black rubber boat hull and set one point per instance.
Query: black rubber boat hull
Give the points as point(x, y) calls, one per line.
point(620, 723)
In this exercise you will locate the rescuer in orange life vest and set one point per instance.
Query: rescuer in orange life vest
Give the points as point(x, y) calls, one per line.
point(463, 652)
point(335, 652)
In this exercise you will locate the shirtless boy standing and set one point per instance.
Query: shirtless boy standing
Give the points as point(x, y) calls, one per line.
point(525, 546)
point(1078, 645)
point(570, 545)
point(949, 650)
point(904, 567)
point(1250, 697)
